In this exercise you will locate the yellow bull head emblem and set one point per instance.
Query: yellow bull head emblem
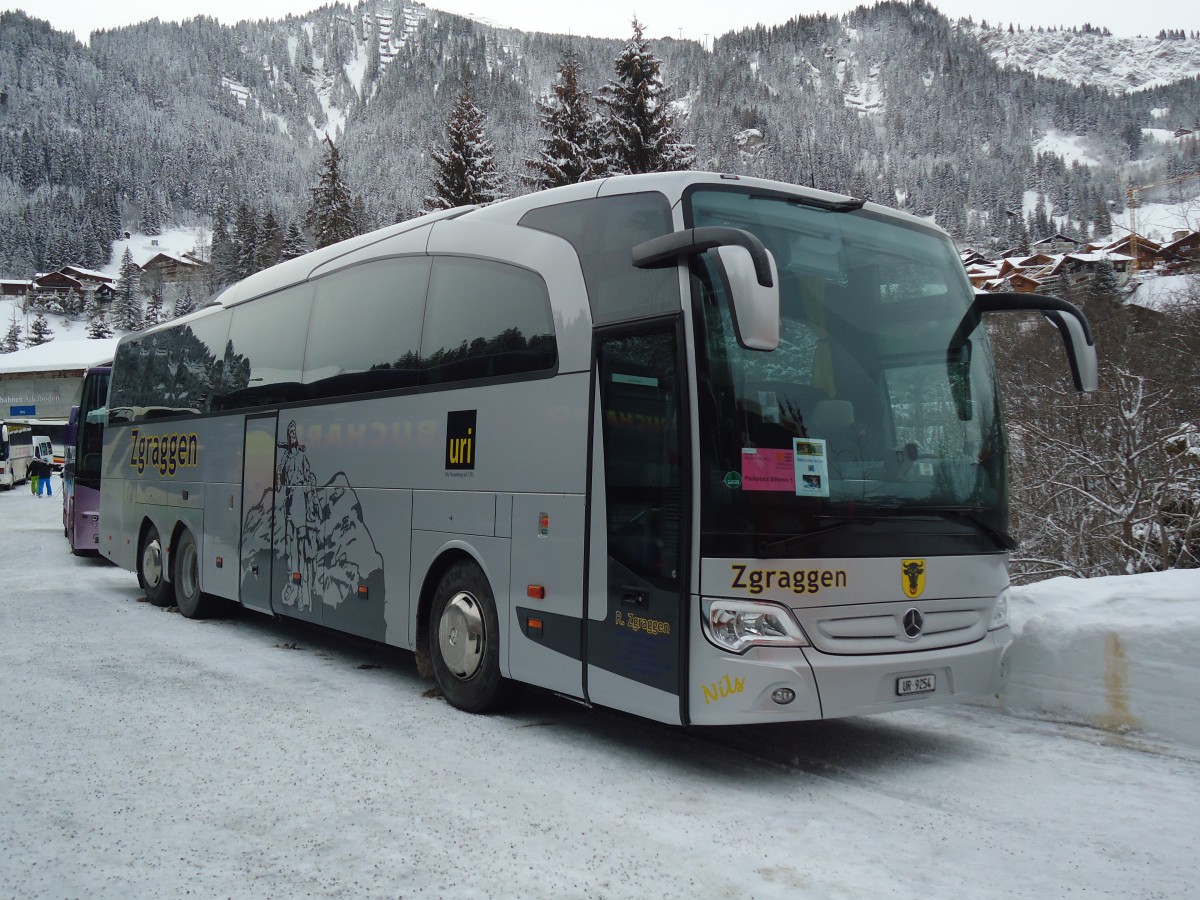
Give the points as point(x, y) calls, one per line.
point(913, 577)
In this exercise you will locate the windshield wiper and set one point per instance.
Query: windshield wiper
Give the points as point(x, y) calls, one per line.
point(850, 204)
point(795, 540)
point(964, 515)
point(971, 516)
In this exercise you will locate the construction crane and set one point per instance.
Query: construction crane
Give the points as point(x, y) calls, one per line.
point(1131, 192)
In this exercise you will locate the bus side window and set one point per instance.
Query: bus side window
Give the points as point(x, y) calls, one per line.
point(366, 328)
point(485, 319)
point(603, 230)
point(265, 353)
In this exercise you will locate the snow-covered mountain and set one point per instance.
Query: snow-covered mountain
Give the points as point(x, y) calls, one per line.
point(1093, 57)
point(161, 124)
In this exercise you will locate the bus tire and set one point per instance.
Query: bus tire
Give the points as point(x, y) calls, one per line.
point(464, 645)
point(192, 602)
point(151, 573)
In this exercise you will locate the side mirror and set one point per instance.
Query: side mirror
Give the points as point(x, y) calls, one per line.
point(749, 271)
point(1068, 318)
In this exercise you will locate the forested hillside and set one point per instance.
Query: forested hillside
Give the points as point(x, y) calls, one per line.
point(162, 124)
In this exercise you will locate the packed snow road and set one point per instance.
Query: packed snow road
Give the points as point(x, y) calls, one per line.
point(145, 755)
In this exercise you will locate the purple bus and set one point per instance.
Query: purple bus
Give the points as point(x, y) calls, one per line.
point(83, 443)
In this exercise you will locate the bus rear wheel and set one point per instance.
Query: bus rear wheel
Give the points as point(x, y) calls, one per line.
point(150, 570)
point(464, 645)
point(192, 602)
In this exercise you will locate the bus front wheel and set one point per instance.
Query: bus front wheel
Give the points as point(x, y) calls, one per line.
point(192, 602)
point(150, 570)
point(464, 645)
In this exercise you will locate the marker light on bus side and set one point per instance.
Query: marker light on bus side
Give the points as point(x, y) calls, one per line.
point(738, 625)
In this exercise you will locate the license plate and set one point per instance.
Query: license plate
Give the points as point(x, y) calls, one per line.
point(915, 684)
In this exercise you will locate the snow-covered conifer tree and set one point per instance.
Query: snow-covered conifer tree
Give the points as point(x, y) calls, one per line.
point(99, 328)
point(573, 147)
point(270, 241)
point(40, 332)
point(465, 169)
point(293, 243)
point(223, 256)
point(154, 308)
point(330, 216)
point(641, 129)
point(12, 338)
point(127, 305)
point(185, 302)
point(246, 240)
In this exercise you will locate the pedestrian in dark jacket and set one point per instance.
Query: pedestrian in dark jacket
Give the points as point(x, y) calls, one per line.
point(42, 470)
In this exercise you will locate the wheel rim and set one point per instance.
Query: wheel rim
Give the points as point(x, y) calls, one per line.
point(152, 569)
point(461, 637)
point(188, 575)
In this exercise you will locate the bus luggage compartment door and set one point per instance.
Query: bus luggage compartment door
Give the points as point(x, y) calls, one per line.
point(258, 512)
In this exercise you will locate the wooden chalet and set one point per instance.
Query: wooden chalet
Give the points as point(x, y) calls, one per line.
point(1144, 254)
point(1036, 262)
point(173, 268)
point(15, 287)
point(1022, 283)
point(1055, 244)
point(981, 274)
point(89, 278)
point(57, 284)
point(73, 280)
point(1183, 251)
point(1077, 267)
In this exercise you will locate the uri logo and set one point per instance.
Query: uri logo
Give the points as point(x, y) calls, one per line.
point(460, 439)
point(913, 577)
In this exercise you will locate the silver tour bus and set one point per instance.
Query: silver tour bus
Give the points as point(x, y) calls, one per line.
point(703, 448)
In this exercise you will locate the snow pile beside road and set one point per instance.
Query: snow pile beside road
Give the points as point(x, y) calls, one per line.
point(1117, 653)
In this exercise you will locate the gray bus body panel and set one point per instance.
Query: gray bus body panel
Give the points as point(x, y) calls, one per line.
point(853, 613)
point(381, 464)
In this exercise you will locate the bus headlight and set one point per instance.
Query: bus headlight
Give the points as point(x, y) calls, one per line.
point(738, 625)
point(999, 612)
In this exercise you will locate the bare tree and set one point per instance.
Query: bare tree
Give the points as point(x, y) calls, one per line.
point(1107, 483)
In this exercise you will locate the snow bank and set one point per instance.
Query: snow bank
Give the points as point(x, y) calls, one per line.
point(1116, 653)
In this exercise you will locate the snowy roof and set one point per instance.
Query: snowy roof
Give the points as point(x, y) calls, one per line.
point(86, 273)
point(1161, 292)
point(1142, 240)
point(1100, 256)
point(184, 259)
point(57, 355)
point(1057, 238)
point(1188, 238)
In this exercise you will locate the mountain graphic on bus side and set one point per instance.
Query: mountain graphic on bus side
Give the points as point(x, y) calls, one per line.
point(328, 554)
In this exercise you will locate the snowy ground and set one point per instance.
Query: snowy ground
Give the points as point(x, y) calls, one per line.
point(145, 755)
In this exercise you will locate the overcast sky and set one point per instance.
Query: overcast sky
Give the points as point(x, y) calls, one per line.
point(679, 18)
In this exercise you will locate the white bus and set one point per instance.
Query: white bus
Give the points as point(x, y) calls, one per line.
point(703, 448)
point(16, 453)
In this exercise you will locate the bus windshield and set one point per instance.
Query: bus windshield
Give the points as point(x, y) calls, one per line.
point(876, 416)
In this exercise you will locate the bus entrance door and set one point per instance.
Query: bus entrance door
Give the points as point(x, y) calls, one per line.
point(636, 624)
point(258, 512)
